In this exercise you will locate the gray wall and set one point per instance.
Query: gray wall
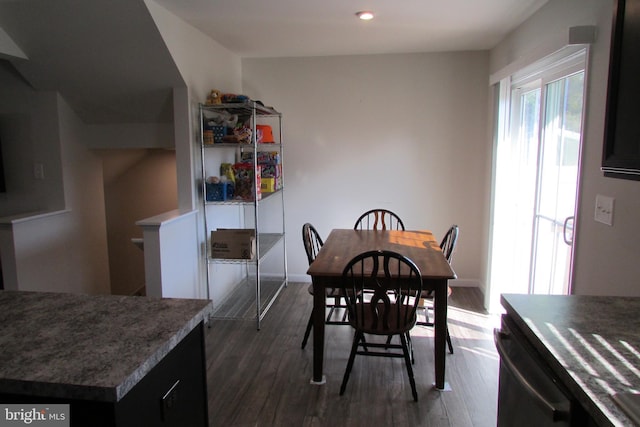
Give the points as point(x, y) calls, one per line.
point(29, 132)
point(412, 133)
point(405, 132)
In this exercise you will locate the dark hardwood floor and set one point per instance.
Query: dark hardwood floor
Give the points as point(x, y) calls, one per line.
point(262, 378)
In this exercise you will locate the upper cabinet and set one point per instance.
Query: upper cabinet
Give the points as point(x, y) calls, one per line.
point(621, 152)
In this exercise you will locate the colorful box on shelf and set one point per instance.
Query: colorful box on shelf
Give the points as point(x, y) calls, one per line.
point(233, 243)
point(219, 132)
point(212, 133)
point(220, 191)
point(263, 157)
point(259, 181)
point(271, 170)
point(269, 185)
point(246, 178)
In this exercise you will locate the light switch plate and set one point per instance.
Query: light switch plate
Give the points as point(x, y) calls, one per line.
point(604, 209)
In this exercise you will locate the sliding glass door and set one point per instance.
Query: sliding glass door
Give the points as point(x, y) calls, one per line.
point(557, 186)
point(536, 179)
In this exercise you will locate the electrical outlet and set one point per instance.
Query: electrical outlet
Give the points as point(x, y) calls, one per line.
point(604, 209)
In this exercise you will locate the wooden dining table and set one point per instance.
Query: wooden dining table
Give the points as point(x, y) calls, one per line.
point(343, 244)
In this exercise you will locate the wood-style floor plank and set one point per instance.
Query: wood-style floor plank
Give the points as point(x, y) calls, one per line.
point(262, 378)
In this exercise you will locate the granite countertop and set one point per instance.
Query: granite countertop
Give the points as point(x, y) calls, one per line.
point(591, 343)
point(92, 347)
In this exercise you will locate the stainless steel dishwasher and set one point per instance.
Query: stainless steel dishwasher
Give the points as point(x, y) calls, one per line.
point(528, 393)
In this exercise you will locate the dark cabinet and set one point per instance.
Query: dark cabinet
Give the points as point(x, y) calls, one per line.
point(621, 150)
point(173, 393)
point(529, 393)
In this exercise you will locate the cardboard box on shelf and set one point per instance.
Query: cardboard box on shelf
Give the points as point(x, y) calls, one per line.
point(233, 243)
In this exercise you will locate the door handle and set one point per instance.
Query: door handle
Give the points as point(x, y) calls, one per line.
point(564, 230)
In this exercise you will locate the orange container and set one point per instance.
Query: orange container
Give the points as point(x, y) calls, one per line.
point(264, 134)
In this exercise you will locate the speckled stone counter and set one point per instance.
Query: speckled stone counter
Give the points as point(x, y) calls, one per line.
point(591, 343)
point(94, 348)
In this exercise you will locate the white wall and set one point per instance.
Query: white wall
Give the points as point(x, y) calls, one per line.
point(169, 254)
point(405, 132)
point(606, 257)
point(85, 246)
point(65, 251)
point(204, 65)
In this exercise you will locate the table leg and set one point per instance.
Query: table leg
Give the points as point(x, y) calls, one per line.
point(440, 308)
point(319, 308)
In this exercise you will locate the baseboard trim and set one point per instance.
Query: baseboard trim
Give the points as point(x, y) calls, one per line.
point(464, 283)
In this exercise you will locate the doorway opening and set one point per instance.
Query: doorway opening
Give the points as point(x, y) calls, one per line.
point(138, 183)
point(537, 166)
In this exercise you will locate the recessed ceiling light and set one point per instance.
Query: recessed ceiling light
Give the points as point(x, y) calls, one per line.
point(365, 15)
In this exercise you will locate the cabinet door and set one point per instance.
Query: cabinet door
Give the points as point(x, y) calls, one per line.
point(174, 393)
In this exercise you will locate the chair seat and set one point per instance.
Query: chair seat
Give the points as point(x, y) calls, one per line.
point(371, 323)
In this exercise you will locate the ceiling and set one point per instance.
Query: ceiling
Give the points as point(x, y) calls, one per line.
point(109, 61)
point(281, 28)
point(106, 57)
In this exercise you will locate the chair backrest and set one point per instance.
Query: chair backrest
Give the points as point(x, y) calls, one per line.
point(312, 241)
point(379, 219)
point(448, 243)
point(379, 301)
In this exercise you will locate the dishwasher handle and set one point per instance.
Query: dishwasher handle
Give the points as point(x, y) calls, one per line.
point(557, 411)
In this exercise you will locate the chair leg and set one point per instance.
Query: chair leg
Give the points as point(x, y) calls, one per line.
point(354, 348)
point(407, 361)
point(308, 331)
point(410, 346)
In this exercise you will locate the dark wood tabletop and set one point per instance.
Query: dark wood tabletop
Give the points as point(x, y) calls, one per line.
point(344, 244)
point(419, 246)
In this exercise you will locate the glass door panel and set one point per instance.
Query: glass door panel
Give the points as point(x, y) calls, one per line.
point(558, 179)
point(516, 175)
